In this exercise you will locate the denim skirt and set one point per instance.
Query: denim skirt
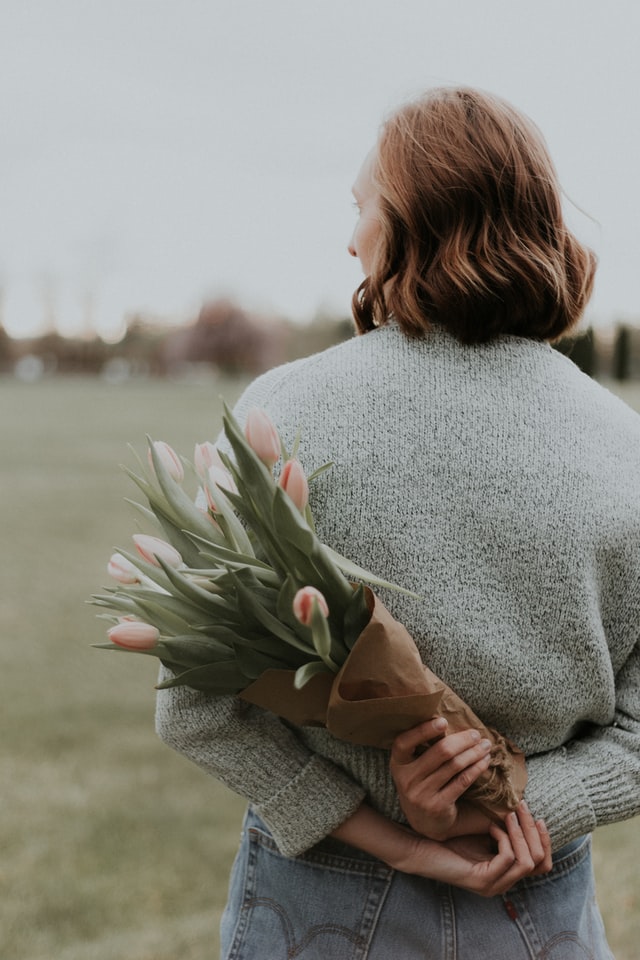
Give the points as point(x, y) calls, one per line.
point(336, 903)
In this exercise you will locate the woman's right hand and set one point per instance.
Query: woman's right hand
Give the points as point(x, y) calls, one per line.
point(432, 771)
point(523, 850)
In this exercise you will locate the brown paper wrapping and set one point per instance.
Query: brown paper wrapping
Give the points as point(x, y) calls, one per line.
point(383, 689)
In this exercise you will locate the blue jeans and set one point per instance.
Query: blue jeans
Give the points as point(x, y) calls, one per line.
point(336, 903)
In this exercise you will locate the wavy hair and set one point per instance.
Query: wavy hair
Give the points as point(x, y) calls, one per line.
point(472, 233)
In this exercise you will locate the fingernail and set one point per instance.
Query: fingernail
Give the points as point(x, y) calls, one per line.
point(475, 735)
point(440, 723)
point(486, 745)
point(524, 806)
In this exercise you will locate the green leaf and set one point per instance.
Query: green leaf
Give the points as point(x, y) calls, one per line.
point(236, 559)
point(189, 651)
point(241, 635)
point(320, 470)
point(251, 605)
point(182, 506)
point(252, 477)
point(356, 617)
point(149, 570)
point(284, 605)
point(352, 570)
point(253, 663)
point(289, 524)
point(209, 603)
point(145, 511)
point(234, 533)
point(263, 532)
point(217, 679)
point(306, 672)
point(322, 636)
point(168, 614)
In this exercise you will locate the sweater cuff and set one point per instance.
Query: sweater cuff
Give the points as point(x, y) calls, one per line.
point(557, 795)
point(294, 822)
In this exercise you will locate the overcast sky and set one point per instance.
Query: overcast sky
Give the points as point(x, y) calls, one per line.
point(155, 152)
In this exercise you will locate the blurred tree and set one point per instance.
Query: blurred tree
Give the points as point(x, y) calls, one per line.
point(325, 330)
point(581, 348)
point(6, 350)
point(622, 353)
point(227, 337)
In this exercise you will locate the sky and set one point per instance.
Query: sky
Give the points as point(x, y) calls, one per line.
point(154, 153)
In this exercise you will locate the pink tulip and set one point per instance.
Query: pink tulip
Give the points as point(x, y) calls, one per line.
point(150, 548)
point(218, 477)
point(303, 604)
point(262, 436)
point(134, 635)
point(206, 506)
point(211, 504)
point(122, 569)
point(222, 478)
point(294, 483)
point(206, 456)
point(169, 459)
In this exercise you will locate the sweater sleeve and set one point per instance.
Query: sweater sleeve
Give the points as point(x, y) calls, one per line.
point(594, 779)
point(301, 796)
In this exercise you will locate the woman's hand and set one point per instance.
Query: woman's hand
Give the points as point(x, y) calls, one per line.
point(489, 865)
point(430, 783)
point(486, 865)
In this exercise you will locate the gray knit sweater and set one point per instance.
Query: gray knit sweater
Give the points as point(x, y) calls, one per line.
point(503, 486)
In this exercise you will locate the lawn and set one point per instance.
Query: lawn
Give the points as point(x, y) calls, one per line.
point(115, 848)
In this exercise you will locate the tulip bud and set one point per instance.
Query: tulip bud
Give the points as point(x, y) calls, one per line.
point(222, 478)
point(150, 548)
point(211, 504)
point(218, 477)
point(122, 569)
point(303, 604)
point(206, 456)
point(134, 635)
point(294, 483)
point(170, 460)
point(262, 436)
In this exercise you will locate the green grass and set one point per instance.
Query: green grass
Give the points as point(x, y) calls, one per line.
point(113, 847)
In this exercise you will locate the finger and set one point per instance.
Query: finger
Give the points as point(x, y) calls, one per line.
point(530, 833)
point(405, 744)
point(546, 863)
point(446, 748)
point(519, 843)
point(538, 839)
point(458, 784)
point(496, 875)
point(447, 763)
point(506, 868)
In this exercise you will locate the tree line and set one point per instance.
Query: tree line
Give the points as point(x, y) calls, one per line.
point(227, 338)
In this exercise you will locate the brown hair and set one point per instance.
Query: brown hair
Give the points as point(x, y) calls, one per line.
point(472, 232)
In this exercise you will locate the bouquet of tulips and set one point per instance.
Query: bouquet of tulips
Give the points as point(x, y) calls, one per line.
point(240, 597)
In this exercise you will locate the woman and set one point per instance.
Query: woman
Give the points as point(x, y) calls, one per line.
point(480, 469)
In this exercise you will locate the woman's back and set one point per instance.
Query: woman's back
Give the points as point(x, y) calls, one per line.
point(499, 483)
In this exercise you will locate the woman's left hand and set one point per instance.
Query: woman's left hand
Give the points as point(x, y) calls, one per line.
point(431, 784)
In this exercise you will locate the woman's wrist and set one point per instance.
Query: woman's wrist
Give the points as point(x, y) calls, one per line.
point(390, 842)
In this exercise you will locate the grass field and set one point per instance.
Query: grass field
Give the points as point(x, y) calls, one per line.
point(113, 847)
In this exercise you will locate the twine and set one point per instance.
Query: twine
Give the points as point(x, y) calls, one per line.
point(494, 787)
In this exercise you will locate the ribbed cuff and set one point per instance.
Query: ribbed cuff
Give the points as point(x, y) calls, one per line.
point(557, 795)
point(310, 806)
